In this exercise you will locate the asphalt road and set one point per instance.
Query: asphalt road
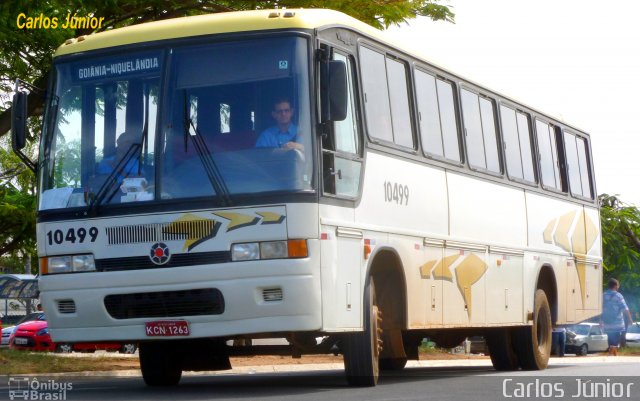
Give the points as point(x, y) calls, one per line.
point(600, 379)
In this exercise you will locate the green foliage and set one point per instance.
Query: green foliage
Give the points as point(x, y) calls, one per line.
point(621, 246)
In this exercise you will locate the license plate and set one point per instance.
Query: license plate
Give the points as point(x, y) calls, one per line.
point(20, 341)
point(167, 328)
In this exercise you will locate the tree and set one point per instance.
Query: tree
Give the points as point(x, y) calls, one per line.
point(621, 246)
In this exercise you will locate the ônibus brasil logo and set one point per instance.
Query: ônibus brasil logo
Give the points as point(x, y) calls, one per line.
point(159, 254)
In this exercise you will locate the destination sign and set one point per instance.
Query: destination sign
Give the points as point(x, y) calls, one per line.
point(116, 67)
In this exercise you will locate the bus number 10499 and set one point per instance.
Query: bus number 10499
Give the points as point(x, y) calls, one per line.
point(80, 235)
point(398, 193)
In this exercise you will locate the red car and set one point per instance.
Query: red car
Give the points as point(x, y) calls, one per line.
point(34, 336)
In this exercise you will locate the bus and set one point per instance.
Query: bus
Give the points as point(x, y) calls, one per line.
point(209, 181)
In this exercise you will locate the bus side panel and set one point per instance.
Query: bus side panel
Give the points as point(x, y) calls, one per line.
point(486, 213)
point(406, 198)
point(340, 268)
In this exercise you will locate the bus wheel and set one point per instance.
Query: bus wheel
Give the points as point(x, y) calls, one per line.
point(362, 350)
point(160, 363)
point(393, 356)
point(534, 342)
point(501, 350)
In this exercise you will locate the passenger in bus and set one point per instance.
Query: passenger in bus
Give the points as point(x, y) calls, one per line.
point(285, 133)
point(109, 163)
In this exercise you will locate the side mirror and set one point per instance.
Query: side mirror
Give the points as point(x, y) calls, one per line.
point(19, 121)
point(334, 92)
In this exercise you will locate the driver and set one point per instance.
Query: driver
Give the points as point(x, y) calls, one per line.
point(284, 134)
point(109, 163)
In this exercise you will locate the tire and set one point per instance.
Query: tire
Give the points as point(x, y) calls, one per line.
point(584, 350)
point(533, 345)
point(362, 350)
point(128, 348)
point(502, 350)
point(64, 348)
point(393, 356)
point(393, 364)
point(160, 364)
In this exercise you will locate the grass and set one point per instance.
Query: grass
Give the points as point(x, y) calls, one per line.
point(20, 362)
point(629, 351)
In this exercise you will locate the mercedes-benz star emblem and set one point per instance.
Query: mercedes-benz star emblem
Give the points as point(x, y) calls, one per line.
point(159, 254)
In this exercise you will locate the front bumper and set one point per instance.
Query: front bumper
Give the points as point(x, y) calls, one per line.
point(242, 284)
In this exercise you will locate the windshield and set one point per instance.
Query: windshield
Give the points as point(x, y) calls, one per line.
point(634, 328)
point(233, 119)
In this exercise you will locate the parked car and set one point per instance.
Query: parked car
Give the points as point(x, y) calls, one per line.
point(633, 335)
point(6, 332)
point(584, 338)
point(34, 336)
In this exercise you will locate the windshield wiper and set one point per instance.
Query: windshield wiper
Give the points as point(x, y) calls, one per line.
point(108, 188)
point(210, 168)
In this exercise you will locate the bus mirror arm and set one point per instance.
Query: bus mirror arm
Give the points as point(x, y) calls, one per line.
point(334, 93)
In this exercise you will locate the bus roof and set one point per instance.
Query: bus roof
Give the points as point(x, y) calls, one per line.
point(239, 21)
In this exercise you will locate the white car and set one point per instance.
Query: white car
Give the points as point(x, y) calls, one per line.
point(633, 335)
point(589, 337)
point(7, 331)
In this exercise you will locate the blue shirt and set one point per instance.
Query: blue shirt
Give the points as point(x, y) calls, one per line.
point(129, 170)
point(615, 300)
point(273, 138)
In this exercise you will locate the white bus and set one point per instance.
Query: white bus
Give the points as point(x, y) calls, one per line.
point(181, 208)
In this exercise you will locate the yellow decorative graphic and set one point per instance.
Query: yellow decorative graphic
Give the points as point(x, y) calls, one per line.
point(270, 217)
point(562, 232)
point(238, 220)
point(468, 272)
point(548, 232)
point(194, 228)
point(581, 241)
point(578, 239)
point(442, 271)
point(425, 269)
point(581, 268)
point(591, 232)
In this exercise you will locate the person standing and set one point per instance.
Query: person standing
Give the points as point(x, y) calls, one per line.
point(614, 310)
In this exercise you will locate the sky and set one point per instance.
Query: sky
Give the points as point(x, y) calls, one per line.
point(575, 60)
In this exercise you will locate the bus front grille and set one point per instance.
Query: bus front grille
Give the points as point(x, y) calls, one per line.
point(177, 260)
point(205, 301)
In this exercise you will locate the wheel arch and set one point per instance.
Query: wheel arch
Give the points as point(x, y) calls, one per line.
point(386, 268)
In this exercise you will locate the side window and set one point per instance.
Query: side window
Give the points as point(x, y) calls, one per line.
point(517, 144)
point(480, 131)
point(376, 94)
point(436, 112)
point(386, 98)
point(549, 156)
point(577, 166)
point(399, 99)
point(341, 149)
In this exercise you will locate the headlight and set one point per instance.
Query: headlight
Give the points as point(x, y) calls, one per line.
point(67, 264)
point(42, 332)
point(273, 250)
point(249, 251)
point(293, 248)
